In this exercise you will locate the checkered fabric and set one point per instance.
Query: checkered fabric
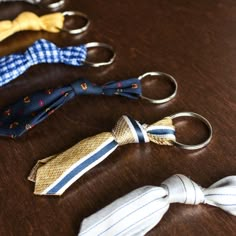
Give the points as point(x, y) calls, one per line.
point(42, 51)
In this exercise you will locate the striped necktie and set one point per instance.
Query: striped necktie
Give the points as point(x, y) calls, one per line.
point(53, 175)
point(141, 210)
point(29, 111)
point(42, 51)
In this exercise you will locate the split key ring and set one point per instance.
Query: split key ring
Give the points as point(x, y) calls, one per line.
point(200, 118)
point(170, 78)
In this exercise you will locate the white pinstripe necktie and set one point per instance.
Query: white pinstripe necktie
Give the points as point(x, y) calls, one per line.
point(141, 210)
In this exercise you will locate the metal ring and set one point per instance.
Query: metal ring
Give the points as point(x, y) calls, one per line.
point(101, 45)
point(80, 14)
point(54, 5)
point(172, 80)
point(201, 118)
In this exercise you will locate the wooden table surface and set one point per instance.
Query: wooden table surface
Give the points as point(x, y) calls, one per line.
point(192, 40)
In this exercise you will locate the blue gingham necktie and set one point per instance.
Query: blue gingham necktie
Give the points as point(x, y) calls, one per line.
point(29, 111)
point(42, 51)
point(141, 210)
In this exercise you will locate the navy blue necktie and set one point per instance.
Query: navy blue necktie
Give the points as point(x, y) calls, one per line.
point(29, 111)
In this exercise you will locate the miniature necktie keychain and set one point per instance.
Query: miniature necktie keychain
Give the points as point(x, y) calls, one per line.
point(138, 212)
point(53, 5)
point(53, 23)
point(29, 111)
point(43, 51)
point(54, 174)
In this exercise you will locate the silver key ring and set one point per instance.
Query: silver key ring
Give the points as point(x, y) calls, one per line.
point(79, 30)
point(100, 45)
point(54, 5)
point(203, 120)
point(169, 77)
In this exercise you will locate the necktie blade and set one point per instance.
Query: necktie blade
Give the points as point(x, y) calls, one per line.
point(59, 173)
point(133, 214)
point(42, 51)
point(141, 210)
point(29, 111)
point(55, 176)
point(6, 29)
point(5, 25)
point(30, 21)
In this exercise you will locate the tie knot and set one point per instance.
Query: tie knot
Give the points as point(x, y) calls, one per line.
point(181, 189)
point(128, 130)
point(85, 87)
point(43, 51)
point(27, 21)
point(30, 21)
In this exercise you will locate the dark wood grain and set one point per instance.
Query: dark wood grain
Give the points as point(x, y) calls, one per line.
point(192, 40)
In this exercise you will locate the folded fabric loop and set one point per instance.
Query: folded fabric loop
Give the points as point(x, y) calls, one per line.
point(128, 130)
point(54, 176)
point(138, 212)
point(30, 21)
point(29, 111)
point(42, 51)
point(130, 88)
point(222, 194)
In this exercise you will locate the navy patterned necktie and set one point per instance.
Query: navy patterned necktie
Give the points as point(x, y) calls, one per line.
point(29, 111)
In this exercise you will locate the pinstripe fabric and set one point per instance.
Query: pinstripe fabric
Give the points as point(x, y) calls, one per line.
point(52, 176)
point(42, 51)
point(141, 210)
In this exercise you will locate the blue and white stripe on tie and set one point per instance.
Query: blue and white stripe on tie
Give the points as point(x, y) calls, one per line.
point(81, 167)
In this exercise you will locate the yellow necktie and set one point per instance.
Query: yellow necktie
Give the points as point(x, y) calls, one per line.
point(53, 175)
point(30, 21)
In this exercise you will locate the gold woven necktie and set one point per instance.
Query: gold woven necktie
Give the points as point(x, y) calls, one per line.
point(30, 21)
point(53, 175)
